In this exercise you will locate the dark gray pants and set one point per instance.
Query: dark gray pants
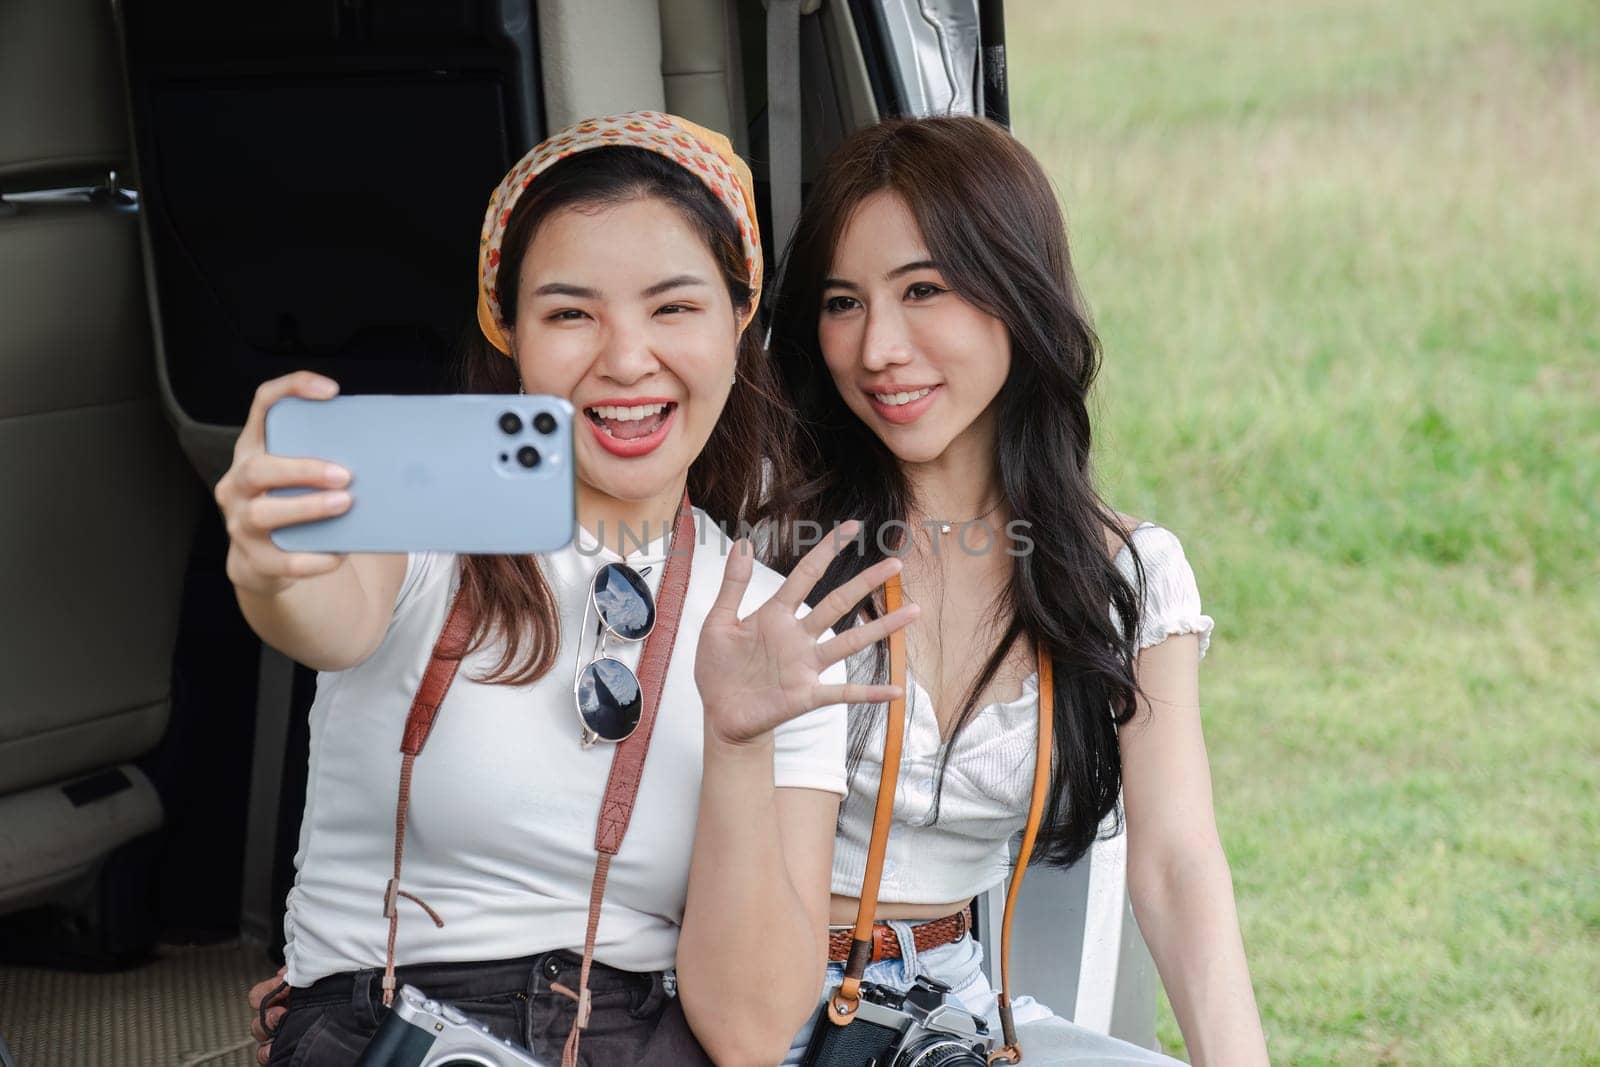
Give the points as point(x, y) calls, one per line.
point(632, 1020)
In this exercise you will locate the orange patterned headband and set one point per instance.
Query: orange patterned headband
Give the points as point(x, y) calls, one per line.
point(706, 155)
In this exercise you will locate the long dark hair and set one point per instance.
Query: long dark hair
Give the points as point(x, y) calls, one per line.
point(510, 596)
point(991, 222)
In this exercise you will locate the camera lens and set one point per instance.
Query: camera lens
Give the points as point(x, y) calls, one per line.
point(939, 1050)
point(544, 422)
point(510, 423)
point(528, 456)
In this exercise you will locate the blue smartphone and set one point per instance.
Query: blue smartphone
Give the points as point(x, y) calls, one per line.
point(460, 473)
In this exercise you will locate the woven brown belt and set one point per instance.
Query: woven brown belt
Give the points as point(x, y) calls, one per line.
point(886, 943)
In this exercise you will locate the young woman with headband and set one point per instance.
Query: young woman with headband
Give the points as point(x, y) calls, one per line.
point(934, 342)
point(619, 268)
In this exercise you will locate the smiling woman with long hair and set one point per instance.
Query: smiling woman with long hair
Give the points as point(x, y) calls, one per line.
point(931, 333)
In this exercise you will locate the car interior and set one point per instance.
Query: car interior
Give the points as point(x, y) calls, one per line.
point(195, 198)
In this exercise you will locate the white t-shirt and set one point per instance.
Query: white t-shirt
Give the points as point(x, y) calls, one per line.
point(988, 780)
point(500, 835)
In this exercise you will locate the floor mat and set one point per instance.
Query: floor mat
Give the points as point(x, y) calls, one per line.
point(185, 1009)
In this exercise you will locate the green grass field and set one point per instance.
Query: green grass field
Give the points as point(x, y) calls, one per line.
point(1345, 261)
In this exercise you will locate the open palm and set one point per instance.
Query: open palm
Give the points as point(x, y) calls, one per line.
point(759, 672)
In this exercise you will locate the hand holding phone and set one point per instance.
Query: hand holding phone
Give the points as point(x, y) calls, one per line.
point(251, 512)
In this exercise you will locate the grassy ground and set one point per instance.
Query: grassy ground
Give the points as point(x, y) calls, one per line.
point(1345, 260)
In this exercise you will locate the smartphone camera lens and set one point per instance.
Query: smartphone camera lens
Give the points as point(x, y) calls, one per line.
point(528, 456)
point(510, 423)
point(545, 423)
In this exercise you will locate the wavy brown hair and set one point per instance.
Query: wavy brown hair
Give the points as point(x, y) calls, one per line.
point(993, 226)
point(509, 596)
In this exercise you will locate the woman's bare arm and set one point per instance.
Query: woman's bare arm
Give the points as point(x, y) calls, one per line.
point(751, 955)
point(1178, 876)
point(333, 621)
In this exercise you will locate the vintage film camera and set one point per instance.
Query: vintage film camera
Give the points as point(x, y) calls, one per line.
point(917, 1028)
point(419, 1032)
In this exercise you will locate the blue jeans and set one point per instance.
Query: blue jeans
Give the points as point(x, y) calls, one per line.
point(1046, 1037)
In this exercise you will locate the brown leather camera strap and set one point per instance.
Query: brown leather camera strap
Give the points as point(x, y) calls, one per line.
point(627, 762)
point(442, 667)
point(842, 1004)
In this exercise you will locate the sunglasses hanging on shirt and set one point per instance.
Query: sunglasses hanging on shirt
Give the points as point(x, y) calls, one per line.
point(606, 690)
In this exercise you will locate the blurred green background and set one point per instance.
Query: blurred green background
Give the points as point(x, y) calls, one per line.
point(1344, 258)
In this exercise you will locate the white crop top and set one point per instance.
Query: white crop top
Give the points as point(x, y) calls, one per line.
point(500, 836)
point(989, 777)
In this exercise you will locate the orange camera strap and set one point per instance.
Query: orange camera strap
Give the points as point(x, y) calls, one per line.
point(1011, 1049)
point(842, 1004)
point(844, 1000)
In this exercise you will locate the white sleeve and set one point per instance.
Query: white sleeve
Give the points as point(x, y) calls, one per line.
point(1171, 603)
point(422, 568)
point(809, 752)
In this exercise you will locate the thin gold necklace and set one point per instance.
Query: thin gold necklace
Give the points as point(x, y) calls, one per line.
point(946, 526)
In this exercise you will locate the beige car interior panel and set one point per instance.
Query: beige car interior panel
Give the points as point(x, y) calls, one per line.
point(700, 69)
point(99, 503)
point(629, 55)
point(47, 843)
point(599, 58)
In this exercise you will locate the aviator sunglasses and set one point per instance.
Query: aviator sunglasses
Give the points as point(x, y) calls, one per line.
point(607, 692)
